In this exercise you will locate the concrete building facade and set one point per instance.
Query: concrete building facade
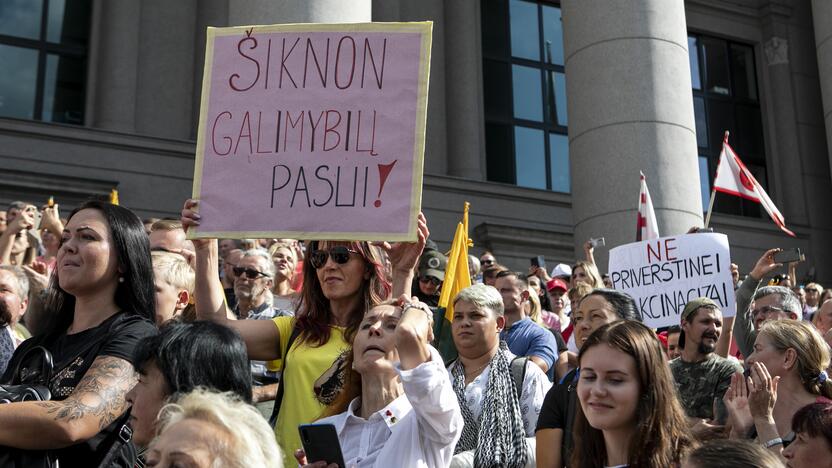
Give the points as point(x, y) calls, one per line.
point(642, 83)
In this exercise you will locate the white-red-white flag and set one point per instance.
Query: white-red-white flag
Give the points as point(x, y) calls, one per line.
point(734, 178)
point(646, 227)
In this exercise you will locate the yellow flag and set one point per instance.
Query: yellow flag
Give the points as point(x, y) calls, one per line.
point(114, 197)
point(457, 276)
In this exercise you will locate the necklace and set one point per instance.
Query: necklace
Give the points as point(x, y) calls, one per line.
point(476, 371)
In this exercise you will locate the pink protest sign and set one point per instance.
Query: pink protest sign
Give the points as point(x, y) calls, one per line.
point(313, 131)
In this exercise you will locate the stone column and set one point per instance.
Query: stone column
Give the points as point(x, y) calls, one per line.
point(245, 12)
point(208, 13)
point(463, 65)
point(785, 175)
point(630, 109)
point(822, 16)
point(436, 130)
point(116, 65)
point(165, 69)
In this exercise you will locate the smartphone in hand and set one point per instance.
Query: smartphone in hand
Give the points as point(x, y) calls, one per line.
point(320, 442)
point(597, 242)
point(789, 256)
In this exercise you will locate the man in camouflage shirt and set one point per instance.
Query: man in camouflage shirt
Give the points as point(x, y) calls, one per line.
point(702, 376)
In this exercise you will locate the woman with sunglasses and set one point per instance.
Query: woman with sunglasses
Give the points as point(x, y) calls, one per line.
point(342, 281)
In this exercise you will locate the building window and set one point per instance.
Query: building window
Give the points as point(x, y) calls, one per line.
point(525, 94)
point(726, 97)
point(43, 49)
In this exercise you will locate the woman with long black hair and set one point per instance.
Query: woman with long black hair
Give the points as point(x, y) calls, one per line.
point(100, 303)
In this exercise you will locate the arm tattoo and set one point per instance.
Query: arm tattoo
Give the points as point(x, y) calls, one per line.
point(100, 394)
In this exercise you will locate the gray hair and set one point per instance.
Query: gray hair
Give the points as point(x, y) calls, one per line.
point(788, 299)
point(251, 439)
point(269, 270)
point(475, 262)
point(17, 204)
point(22, 280)
point(482, 296)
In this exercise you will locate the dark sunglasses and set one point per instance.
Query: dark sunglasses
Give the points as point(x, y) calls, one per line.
point(487, 262)
point(339, 254)
point(431, 279)
point(249, 273)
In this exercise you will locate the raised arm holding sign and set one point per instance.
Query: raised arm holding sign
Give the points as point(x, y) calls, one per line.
point(313, 131)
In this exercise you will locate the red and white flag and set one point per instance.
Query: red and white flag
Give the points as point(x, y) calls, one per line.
point(734, 178)
point(646, 227)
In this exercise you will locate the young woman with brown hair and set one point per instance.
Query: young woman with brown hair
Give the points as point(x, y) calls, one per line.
point(629, 415)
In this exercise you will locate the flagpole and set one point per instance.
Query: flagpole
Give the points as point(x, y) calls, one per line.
point(710, 208)
point(713, 190)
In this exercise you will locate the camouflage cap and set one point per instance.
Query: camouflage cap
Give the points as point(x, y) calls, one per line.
point(695, 304)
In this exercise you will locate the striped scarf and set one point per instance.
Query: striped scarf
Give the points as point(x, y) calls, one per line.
point(498, 436)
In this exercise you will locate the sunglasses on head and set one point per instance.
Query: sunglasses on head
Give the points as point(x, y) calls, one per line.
point(249, 273)
point(340, 254)
point(430, 279)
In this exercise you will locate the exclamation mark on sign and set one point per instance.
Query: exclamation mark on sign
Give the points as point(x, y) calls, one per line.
point(383, 172)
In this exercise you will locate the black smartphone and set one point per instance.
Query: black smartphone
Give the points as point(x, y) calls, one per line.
point(539, 261)
point(788, 256)
point(320, 442)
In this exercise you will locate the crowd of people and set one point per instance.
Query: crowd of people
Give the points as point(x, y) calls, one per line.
point(156, 350)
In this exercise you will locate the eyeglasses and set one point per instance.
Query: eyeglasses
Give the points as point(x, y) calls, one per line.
point(766, 310)
point(249, 273)
point(430, 279)
point(340, 255)
point(487, 262)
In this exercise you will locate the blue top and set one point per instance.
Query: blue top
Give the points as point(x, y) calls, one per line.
point(526, 338)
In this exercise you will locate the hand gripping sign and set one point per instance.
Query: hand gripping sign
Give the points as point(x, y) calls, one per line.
point(664, 274)
point(313, 131)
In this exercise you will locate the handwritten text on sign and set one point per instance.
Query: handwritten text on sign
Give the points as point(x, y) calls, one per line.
point(664, 274)
point(313, 131)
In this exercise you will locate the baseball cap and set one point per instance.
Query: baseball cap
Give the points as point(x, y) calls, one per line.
point(433, 263)
point(695, 304)
point(556, 283)
point(561, 269)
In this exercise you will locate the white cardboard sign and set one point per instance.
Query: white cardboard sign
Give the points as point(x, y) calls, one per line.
point(664, 274)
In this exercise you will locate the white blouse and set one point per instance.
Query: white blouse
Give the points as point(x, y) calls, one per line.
point(418, 429)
